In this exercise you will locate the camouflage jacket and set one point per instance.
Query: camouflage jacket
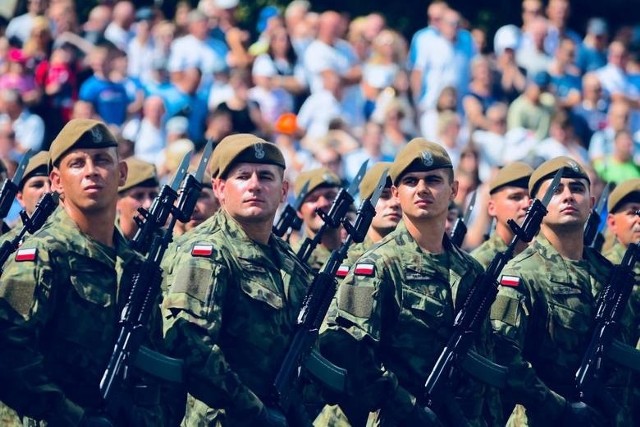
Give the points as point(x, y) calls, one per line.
point(542, 320)
point(318, 257)
point(390, 320)
point(60, 299)
point(357, 250)
point(230, 314)
point(485, 253)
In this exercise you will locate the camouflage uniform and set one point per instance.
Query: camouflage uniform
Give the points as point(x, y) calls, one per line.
point(60, 300)
point(357, 250)
point(391, 318)
point(542, 320)
point(230, 313)
point(318, 257)
point(485, 253)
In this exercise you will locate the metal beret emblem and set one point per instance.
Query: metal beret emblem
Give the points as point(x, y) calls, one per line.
point(258, 150)
point(573, 165)
point(427, 158)
point(96, 135)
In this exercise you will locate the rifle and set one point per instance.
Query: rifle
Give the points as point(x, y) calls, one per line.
point(315, 306)
point(289, 218)
point(459, 229)
point(145, 287)
point(9, 188)
point(474, 312)
point(592, 238)
point(611, 304)
point(30, 224)
point(336, 215)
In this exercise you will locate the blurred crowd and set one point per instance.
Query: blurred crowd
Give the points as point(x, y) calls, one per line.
point(329, 89)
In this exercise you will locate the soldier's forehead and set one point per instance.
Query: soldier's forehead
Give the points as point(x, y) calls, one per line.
point(258, 167)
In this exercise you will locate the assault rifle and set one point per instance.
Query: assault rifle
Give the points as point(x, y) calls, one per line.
point(289, 218)
point(459, 229)
point(315, 306)
point(336, 215)
point(473, 314)
point(30, 224)
point(592, 238)
point(9, 188)
point(144, 291)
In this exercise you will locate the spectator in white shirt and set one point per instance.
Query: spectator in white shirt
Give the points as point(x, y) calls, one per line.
point(19, 27)
point(119, 30)
point(28, 127)
point(147, 133)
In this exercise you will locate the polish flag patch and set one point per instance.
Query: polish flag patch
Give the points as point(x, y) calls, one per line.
point(342, 271)
point(202, 250)
point(512, 281)
point(26, 255)
point(364, 270)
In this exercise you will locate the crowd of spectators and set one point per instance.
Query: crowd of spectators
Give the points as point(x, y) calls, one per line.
point(329, 89)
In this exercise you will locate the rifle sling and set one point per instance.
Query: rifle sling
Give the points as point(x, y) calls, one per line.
point(484, 370)
point(624, 355)
point(159, 366)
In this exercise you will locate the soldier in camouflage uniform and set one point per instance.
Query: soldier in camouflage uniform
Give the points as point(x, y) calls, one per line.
point(235, 291)
point(544, 310)
point(624, 223)
point(323, 188)
point(509, 199)
point(138, 191)
point(62, 293)
point(394, 311)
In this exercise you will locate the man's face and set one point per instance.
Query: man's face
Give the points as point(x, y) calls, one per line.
point(88, 178)
point(509, 203)
point(425, 195)
point(32, 191)
point(128, 204)
point(570, 205)
point(388, 213)
point(252, 192)
point(320, 198)
point(206, 206)
point(625, 224)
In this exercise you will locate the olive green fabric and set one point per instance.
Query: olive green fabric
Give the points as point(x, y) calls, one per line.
point(81, 133)
point(140, 174)
point(244, 148)
point(571, 169)
point(515, 174)
point(419, 154)
point(38, 166)
point(625, 191)
point(320, 177)
point(371, 178)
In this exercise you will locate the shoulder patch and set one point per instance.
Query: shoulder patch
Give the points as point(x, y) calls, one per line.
point(364, 269)
point(202, 250)
point(26, 254)
point(342, 271)
point(512, 281)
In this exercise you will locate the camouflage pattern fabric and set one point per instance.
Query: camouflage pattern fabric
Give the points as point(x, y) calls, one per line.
point(485, 253)
point(357, 250)
point(318, 257)
point(60, 298)
point(230, 313)
point(390, 320)
point(542, 320)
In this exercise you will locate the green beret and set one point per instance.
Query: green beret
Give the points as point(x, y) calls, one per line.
point(371, 178)
point(140, 174)
point(571, 169)
point(244, 148)
point(516, 174)
point(626, 191)
point(321, 177)
point(38, 166)
point(419, 155)
point(81, 133)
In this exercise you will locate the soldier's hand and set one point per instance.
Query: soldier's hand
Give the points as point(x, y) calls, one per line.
point(579, 413)
point(95, 421)
point(421, 417)
point(272, 417)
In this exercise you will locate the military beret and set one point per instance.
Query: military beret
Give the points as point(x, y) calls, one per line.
point(371, 178)
point(38, 166)
point(419, 155)
point(321, 177)
point(571, 169)
point(140, 174)
point(244, 148)
point(624, 192)
point(516, 174)
point(81, 133)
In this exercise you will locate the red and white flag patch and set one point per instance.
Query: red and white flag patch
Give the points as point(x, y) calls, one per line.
point(512, 281)
point(364, 269)
point(26, 255)
point(202, 250)
point(342, 271)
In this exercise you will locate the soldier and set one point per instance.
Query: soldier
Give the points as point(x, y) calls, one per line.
point(324, 186)
point(623, 221)
point(235, 291)
point(395, 309)
point(544, 310)
point(62, 293)
point(509, 199)
point(207, 205)
point(138, 191)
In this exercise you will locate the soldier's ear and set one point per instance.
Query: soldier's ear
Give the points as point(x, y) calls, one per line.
point(218, 189)
point(123, 170)
point(454, 189)
point(54, 177)
point(394, 191)
point(285, 190)
point(491, 208)
point(611, 222)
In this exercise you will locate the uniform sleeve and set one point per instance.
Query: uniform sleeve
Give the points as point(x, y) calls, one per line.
point(27, 301)
point(511, 316)
point(352, 338)
point(193, 314)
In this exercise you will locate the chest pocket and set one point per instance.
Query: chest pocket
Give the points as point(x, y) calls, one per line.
point(257, 283)
point(570, 316)
point(92, 282)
